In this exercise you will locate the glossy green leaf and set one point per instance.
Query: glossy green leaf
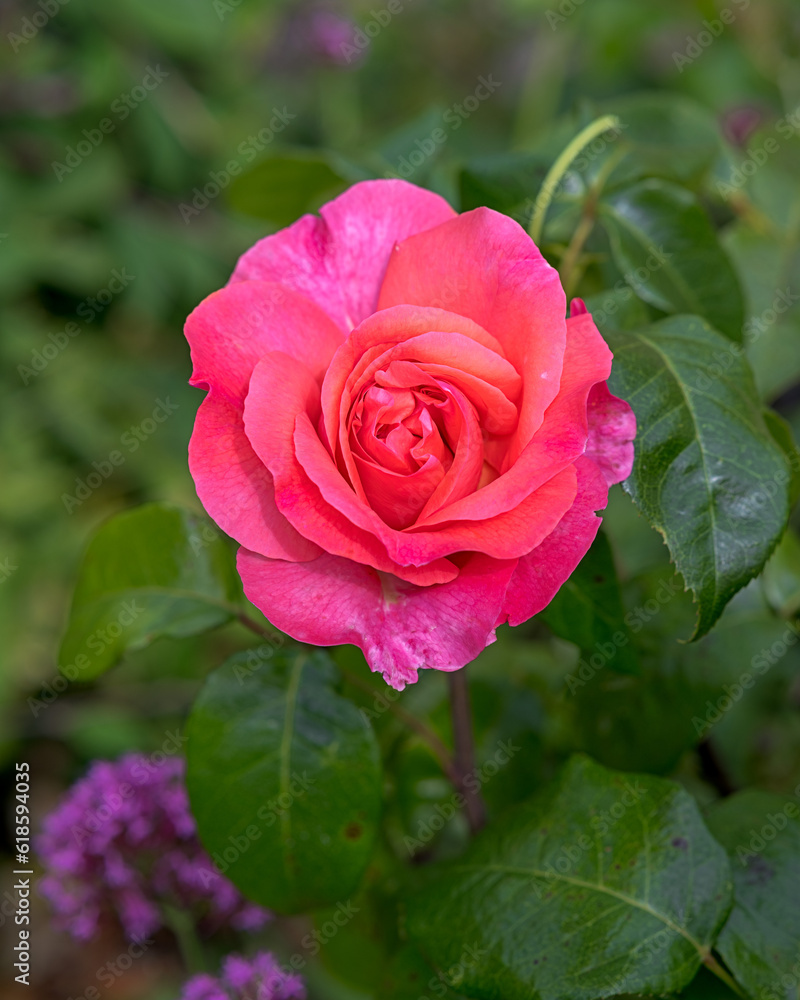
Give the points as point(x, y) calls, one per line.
point(604, 883)
point(284, 187)
point(670, 136)
point(667, 249)
point(760, 942)
point(150, 572)
point(707, 472)
point(588, 611)
point(284, 779)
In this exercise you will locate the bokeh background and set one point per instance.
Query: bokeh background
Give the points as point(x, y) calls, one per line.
point(114, 119)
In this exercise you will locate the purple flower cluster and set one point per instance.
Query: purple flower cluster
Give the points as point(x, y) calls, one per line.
point(257, 978)
point(124, 840)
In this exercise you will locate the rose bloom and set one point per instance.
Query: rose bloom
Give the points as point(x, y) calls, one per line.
point(403, 430)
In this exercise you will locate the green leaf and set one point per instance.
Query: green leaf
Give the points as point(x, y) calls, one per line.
point(507, 183)
point(782, 577)
point(668, 251)
point(284, 779)
point(410, 977)
point(707, 472)
point(670, 136)
point(682, 695)
point(284, 187)
point(588, 611)
point(604, 883)
point(617, 309)
point(760, 942)
point(782, 434)
point(151, 572)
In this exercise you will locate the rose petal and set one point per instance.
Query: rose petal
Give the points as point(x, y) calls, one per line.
point(560, 439)
point(612, 428)
point(284, 396)
point(401, 628)
point(507, 535)
point(233, 328)
point(483, 265)
point(540, 574)
point(374, 344)
point(338, 260)
point(236, 488)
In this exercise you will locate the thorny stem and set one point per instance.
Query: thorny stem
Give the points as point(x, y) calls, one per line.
point(464, 748)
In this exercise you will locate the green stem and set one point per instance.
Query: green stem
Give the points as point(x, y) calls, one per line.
point(244, 619)
point(713, 966)
point(439, 749)
point(570, 259)
point(556, 173)
point(182, 926)
point(461, 714)
point(583, 230)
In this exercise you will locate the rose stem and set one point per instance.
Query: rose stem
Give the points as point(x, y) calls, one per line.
point(440, 751)
point(464, 747)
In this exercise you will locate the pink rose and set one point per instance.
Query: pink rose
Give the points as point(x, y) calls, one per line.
point(402, 430)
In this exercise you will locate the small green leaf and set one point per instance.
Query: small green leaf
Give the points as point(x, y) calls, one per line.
point(156, 571)
point(588, 611)
point(284, 779)
point(604, 883)
point(668, 251)
point(707, 472)
point(760, 942)
point(284, 187)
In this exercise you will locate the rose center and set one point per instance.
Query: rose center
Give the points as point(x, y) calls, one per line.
point(404, 430)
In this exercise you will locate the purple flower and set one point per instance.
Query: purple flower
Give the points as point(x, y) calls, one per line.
point(331, 36)
point(124, 840)
point(256, 978)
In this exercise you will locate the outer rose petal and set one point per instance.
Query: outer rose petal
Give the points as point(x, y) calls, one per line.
point(612, 428)
point(400, 627)
point(338, 260)
point(608, 459)
point(233, 328)
point(540, 574)
point(483, 265)
point(236, 488)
